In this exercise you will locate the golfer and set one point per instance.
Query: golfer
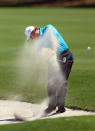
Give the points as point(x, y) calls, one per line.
point(56, 92)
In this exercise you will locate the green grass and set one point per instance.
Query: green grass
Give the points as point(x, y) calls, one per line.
point(77, 28)
point(82, 123)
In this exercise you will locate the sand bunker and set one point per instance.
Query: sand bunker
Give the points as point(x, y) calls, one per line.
point(30, 111)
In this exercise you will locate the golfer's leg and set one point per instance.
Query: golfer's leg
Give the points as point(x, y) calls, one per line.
point(61, 96)
point(52, 97)
point(67, 69)
point(62, 90)
point(51, 89)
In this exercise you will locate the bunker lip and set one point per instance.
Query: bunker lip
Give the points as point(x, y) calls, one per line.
point(29, 111)
point(80, 109)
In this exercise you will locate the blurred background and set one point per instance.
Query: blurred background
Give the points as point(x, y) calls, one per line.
point(75, 21)
point(76, 25)
point(47, 2)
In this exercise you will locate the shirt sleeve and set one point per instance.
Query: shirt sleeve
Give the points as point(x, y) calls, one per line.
point(42, 30)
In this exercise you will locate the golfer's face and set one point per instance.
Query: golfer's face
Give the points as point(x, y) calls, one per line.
point(34, 34)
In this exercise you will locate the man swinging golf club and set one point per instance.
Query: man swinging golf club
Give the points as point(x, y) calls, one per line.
point(56, 92)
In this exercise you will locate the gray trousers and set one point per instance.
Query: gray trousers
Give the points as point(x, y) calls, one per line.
point(57, 79)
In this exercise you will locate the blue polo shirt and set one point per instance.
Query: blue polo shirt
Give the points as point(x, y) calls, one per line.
point(62, 46)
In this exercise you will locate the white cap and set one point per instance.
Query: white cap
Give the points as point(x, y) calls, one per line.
point(28, 31)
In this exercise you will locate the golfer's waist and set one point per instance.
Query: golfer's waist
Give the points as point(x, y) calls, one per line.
point(63, 53)
point(65, 56)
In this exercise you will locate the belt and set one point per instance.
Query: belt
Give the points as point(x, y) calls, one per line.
point(65, 51)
